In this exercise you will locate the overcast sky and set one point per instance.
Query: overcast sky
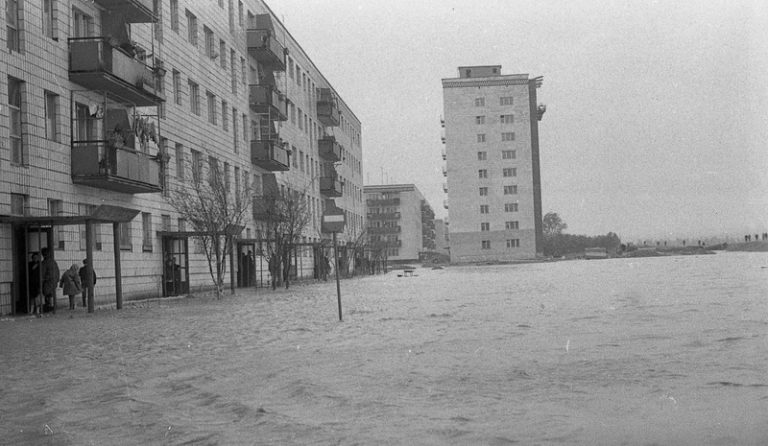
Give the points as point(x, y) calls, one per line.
point(657, 111)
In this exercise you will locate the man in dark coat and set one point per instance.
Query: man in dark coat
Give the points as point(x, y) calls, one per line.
point(51, 276)
point(86, 281)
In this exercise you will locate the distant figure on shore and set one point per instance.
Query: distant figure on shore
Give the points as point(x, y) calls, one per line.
point(86, 281)
point(50, 278)
point(70, 283)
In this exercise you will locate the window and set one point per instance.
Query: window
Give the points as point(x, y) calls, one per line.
point(483, 208)
point(233, 71)
point(290, 68)
point(301, 159)
point(482, 173)
point(481, 156)
point(508, 154)
point(177, 87)
point(513, 243)
point(479, 119)
point(49, 19)
point(51, 112)
point(210, 50)
point(481, 137)
point(505, 100)
point(486, 244)
point(214, 174)
point(485, 227)
point(175, 15)
point(159, 23)
point(479, 102)
point(13, 25)
point(223, 54)
point(245, 128)
point(18, 151)
point(182, 224)
point(211, 107)
point(85, 129)
point(197, 165)
point(165, 222)
point(87, 209)
point(191, 28)
point(227, 178)
point(56, 209)
point(194, 98)
point(224, 115)
point(240, 13)
point(509, 172)
point(301, 120)
point(507, 119)
point(512, 225)
point(231, 17)
point(508, 136)
point(510, 207)
point(179, 161)
point(510, 190)
point(19, 204)
point(124, 234)
point(82, 24)
point(146, 232)
point(483, 191)
point(237, 183)
point(234, 129)
point(243, 74)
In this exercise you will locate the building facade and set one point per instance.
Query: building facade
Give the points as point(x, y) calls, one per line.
point(400, 220)
point(114, 104)
point(492, 164)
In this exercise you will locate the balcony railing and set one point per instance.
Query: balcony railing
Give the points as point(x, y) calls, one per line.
point(97, 65)
point(383, 202)
point(107, 167)
point(328, 108)
point(329, 149)
point(270, 154)
point(384, 216)
point(265, 99)
point(263, 47)
point(385, 230)
point(330, 187)
point(130, 11)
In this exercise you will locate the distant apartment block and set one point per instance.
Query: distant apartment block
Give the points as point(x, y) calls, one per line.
point(399, 217)
point(493, 183)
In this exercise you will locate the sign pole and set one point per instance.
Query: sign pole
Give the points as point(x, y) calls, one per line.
point(336, 268)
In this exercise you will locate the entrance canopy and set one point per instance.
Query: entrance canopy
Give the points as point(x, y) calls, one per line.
point(105, 213)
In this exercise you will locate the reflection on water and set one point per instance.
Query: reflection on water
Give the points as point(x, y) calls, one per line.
point(637, 351)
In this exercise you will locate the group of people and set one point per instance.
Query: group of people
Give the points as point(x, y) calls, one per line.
point(44, 278)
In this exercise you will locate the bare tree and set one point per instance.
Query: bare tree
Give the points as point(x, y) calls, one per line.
point(216, 214)
point(281, 216)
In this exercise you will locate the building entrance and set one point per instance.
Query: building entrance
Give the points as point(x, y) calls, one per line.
point(27, 272)
point(175, 266)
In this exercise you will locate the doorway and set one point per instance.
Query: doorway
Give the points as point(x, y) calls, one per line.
point(28, 242)
point(175, 266)
point(246, 264)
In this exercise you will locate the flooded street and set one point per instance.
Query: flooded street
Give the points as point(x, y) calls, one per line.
point(670, 350)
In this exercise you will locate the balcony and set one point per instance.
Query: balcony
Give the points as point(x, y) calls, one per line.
point(265, 99)
point(264, 47)
point(445, 171)
point(270, 154)
point(442, 122)
point(445, 187)
point(385, 216)
point(385, 230)
point(383, 202)
point(119, 170)
point(130, 11)
point(444, 154)
point(329, 149)
point(445, 203)
point(330, 186)
point(328, 108)
point(99, 66)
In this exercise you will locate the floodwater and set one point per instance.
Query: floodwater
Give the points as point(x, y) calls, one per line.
point(652, 351)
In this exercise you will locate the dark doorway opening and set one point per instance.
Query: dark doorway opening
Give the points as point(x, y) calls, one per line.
point(175, 266)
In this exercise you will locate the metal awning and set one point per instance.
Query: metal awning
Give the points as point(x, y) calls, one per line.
point(105, 213)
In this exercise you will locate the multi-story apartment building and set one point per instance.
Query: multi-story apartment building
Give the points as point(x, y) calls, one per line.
point(399, 216)
point(441, 236)
point(106, 106)
point(492, 164)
